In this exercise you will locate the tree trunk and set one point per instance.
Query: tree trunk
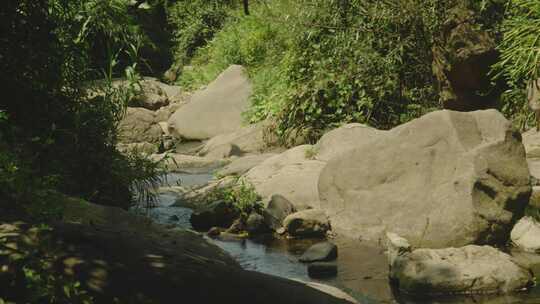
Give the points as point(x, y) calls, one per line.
point(246, 7)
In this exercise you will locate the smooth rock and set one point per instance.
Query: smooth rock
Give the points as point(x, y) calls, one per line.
point(276, 211)
point(152, 96)
point(534, 201)
point(281, 174)
point(223, 151)
point(320, 252)
point(249, 139)
point(445, 179)
point(470, 269)
point(322, 269)
point(174, 162)
point(342, 139)
point(139, 125)
point(241, 165)
point(526, 235)
point(215, 110)
point(307, 223)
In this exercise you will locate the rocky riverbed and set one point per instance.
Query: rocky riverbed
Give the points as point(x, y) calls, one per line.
point(423, 210)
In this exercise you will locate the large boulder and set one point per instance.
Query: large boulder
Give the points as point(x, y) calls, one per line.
point(463, 60)
point(526, 235)
point(139, 125)
point(151, 97)
point(291, 174)
point(216, 109)
point(466, 270)
point(343, 139)
point(243, 164)
point(249, 139)
point(445, 179)
point(276, 211)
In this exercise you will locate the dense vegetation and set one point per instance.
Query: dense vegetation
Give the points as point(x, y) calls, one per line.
point(318, 64)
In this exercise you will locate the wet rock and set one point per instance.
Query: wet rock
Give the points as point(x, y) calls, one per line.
point(277, 210)
point(307, 223)
point(322, 269)
point(214, 232)
point(236, 227)
point(217, 214)
point(526, 235)
point(320, 252)
point(174, 218)
point(255, 224)
point(464, 270)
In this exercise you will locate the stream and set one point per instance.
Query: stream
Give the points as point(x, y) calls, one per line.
point(362, 267)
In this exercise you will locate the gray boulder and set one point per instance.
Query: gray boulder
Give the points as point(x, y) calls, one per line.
point(307, 223)
point(214, 110)
point(241, 165)
point(139, 125)
point(223, 151)
point(445, 179)
point(526, 235)
point(343, 139)
point(151, 97)
point(320, 252)
point(276, 211)
point(248, 138)
point(290, 174)
point(466, 270)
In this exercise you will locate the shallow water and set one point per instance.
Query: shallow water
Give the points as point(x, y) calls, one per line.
point(362, 267)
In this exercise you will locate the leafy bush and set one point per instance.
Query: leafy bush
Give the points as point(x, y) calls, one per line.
point(56, 139)
point(195, 23)
point(520, 57)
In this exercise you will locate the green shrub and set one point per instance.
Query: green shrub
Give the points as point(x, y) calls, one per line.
point(520, 57)
point(195, 22)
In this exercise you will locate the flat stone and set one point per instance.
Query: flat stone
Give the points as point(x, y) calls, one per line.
point(320, 252)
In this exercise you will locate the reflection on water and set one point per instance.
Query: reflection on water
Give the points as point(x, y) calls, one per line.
point(362, 267)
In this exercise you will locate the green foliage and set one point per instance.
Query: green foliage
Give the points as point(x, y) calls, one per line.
point(30, 274)
point(241, 195)
point(520, 57)
point(325, 63)
point(195, 23)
